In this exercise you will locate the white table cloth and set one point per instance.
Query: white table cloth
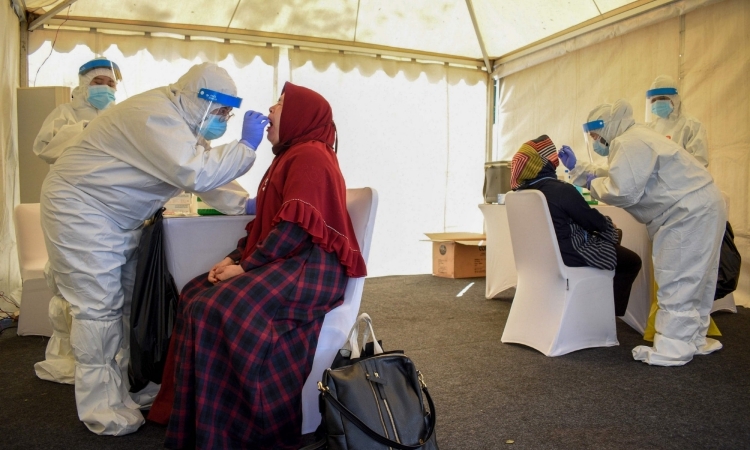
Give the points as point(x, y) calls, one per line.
point(501, 268)
point(193, 244)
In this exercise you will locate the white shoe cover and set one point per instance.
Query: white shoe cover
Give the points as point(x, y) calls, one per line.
point(98, 378)
point(145, 397)
point(59, 364)
point(710, 346)
point(665, 352)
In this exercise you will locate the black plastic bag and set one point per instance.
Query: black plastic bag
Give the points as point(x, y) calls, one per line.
point(152, 312)
point(729, 265)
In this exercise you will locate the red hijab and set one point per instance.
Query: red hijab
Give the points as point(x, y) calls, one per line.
point(304, 184)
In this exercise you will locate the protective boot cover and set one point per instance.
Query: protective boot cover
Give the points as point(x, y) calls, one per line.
point(100, 391)
point(58, 364)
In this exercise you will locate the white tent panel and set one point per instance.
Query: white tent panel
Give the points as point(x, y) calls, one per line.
point(316, 19)
point(606, 6)
point(183, 11)
point(438, 26)
point(507, 26)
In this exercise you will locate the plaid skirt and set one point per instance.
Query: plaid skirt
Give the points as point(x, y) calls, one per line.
point(244, 348)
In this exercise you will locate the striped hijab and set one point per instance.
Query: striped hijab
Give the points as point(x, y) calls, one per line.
point(535, 159)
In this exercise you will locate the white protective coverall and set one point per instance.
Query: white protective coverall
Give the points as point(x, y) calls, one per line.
point(686, 131)
point(117, 173)
point(63, 123)
point(666, 189)
point(69, 119)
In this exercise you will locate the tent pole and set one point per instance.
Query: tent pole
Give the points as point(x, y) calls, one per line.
point(487, 64)
point(48, 15)
point(264, 38)
point(23, 56)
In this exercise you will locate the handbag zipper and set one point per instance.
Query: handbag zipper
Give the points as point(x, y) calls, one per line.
point(381, 391)
point(393, 424)
point(380, 413)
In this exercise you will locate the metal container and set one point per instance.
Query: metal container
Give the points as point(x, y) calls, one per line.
point(496, 180)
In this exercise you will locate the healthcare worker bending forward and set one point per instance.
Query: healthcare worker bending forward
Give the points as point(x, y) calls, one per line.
point(97, 83)
point(665, 188)
point(117, 173)
point(665, 115)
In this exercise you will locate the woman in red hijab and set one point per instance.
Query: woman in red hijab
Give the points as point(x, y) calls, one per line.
point(246, 332)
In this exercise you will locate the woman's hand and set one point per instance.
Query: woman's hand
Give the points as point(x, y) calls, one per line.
point(224, 273)
point(212, 273)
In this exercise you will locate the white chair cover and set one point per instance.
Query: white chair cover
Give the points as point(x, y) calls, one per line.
point(556, 309)
point(362, 205)
point(33, 319)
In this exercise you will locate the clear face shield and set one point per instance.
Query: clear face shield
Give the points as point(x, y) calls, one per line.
point(659, 103)
point(592, 135)
point(213, 123)
point(102, 87)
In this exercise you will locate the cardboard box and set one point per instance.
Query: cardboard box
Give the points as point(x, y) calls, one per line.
point(458, 255)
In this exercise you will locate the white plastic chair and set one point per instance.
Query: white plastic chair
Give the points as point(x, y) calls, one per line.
point(556, 309)
point(33, 319)
point(362, 205)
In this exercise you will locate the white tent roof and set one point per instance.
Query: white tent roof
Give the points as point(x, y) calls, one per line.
point(448, 30)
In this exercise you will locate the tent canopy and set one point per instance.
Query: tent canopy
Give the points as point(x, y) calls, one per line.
point(472, 32)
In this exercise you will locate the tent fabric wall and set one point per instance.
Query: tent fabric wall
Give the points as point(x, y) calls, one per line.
point(710, 57)
point(414, 131)
point(10, 277)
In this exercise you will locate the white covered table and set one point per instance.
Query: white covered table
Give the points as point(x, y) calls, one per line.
point(193, 244)
point(501, 268)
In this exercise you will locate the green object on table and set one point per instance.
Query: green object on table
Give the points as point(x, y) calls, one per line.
point(209, 212)
point(206, 211)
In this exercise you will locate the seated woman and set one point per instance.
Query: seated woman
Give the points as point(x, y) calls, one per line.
point(246, 332)
point(584, 235)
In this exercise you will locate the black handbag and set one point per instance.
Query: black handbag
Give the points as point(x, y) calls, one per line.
point(152, 311)
point(372, 399)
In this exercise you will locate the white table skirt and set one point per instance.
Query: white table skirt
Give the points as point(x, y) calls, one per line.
point(194, 244)
point(501, 268)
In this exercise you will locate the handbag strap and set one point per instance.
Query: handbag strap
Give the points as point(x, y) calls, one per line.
point(352, 343)
point(374, 434)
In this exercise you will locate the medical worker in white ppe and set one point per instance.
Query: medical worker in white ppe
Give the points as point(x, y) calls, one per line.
point(669, 191)
point(665, 114)
point(97, 83)
point(114, 175)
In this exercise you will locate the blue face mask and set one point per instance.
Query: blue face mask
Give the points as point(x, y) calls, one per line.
point(101, 96)
point(600, 148)
point(213, 127)
point(662, 108)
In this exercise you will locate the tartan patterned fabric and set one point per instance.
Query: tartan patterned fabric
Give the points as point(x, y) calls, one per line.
point(245, 346)
point(531, 159)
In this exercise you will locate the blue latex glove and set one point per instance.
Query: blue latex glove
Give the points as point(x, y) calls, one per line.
point(589, 178)
point(250, 206)
point(567, 157)
point(252, 128)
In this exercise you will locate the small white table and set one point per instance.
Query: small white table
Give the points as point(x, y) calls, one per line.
point(193, 244)
point(501, 267)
